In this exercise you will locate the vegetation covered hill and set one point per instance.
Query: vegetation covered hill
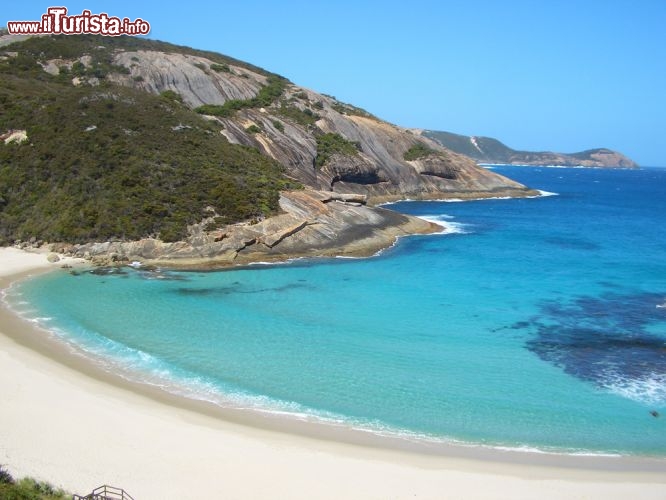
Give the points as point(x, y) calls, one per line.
point(122, 138)
point(489, 150)
point(110, 162)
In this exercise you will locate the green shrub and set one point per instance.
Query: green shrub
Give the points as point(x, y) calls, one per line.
point(223, 110)
point(278, 125)
point(171, 95)
point(220, 68)
point(330, 144)
point(266, 96)
point(253, 129)
point(418, 151)
point(5, 476)
point(270, 92)
point(302, 117)
point(78, 69)
point(28, 489)
point(349, 109)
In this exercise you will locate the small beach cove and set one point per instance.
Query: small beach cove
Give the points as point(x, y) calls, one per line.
point(248, 289)
point(47, 384)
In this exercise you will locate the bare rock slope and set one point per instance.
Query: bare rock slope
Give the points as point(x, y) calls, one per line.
point(287, 130)
point(347, 159)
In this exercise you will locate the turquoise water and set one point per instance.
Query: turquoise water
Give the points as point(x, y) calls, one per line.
point(533, 324)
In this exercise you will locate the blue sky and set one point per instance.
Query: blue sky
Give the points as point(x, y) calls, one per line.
point(561, 75)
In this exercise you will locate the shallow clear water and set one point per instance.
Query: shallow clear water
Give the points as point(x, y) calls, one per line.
point(534, 325)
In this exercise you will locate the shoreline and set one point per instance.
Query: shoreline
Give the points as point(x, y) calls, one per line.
point(528, 165)
point(312, 224)
point(457, 196)
point(535, 193)
point(43, 341)
point(286, 445)
point(325, 232)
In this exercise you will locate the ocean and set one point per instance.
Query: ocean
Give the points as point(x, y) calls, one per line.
point(533, 324)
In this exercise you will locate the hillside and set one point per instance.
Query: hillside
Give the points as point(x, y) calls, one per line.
point(126, 138)
point(110, 162)
point(489, 150)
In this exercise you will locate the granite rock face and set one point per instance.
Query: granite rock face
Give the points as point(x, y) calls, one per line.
point(187, 75)
point(313, 223)
point(334, 214)
point(289, 127)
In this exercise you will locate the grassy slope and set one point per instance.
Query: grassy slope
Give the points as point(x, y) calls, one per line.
point(133, 175)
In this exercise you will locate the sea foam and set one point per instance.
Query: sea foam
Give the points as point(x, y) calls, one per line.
point(450, 227)
point(649, 389)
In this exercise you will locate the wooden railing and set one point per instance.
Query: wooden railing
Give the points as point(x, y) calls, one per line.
point(105, 492)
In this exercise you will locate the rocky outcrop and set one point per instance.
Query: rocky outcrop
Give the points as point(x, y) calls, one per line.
point(53, 257)
point(15, 136)
point(492, 151)
point(313, 224)
point(288, 130)
point(365, 165)
point(351, 170)
point(188, 75)
point(379, 169)
point(287, 127)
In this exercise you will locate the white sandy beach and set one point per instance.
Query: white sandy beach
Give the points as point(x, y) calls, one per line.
point(79, 430)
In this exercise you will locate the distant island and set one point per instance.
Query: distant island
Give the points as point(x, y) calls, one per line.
point(492, 151)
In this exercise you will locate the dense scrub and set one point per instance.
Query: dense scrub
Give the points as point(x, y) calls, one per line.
point(267, 95)
point(101, 49)
point(109, 162)
point(331, 144)
point(418, 151)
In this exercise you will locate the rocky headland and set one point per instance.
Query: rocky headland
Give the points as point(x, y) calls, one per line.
point(492, 151)
point(322, 165)
point(313, 224)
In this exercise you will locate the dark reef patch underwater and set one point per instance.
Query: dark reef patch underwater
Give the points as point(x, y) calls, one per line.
point(607, 340)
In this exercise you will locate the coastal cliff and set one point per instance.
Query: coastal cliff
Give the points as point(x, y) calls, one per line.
point(492, 151)
point(133, 144)
point(288, 129)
